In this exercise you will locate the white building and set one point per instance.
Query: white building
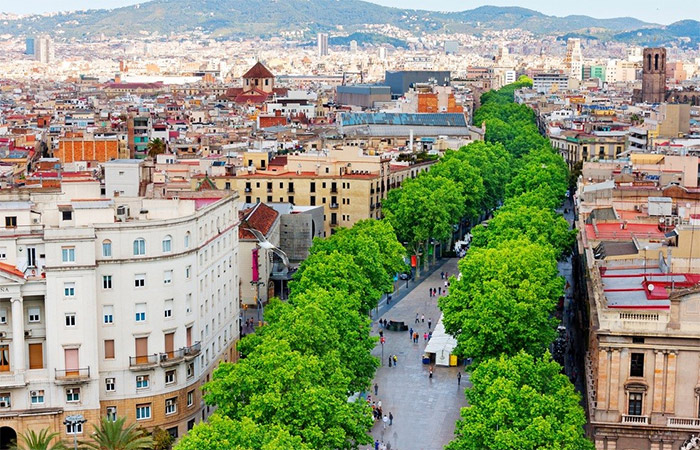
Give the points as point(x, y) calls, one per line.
point(322, 44)
point(574, 59)
point(113, 307)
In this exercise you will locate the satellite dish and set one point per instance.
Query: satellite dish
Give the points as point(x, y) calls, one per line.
point(650, 287)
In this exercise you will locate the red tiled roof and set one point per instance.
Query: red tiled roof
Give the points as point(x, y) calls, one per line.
point(12, 270)
point(278, 161)
point(260, 217)
point(258, 71)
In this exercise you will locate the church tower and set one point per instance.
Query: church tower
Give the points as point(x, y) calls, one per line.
point(654, 75)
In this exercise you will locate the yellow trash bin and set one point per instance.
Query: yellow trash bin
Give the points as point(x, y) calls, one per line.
point(453, 360)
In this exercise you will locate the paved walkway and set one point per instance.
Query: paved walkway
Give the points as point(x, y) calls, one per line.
point(424, 410)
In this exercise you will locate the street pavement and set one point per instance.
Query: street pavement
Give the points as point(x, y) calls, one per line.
point(425, 410)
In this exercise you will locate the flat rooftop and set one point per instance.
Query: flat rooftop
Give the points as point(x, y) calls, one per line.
point(642, 288)
point(614, 230)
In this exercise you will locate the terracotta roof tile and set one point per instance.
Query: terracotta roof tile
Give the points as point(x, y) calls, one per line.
point(12, 270)
point(260, 217)
point(258, 71)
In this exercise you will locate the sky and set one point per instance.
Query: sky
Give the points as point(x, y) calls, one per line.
point(655, 11)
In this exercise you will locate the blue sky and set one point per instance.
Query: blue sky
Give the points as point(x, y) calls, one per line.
point(649, 10)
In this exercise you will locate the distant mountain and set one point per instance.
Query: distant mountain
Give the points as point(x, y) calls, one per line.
point(685, 33)
point(246, 18)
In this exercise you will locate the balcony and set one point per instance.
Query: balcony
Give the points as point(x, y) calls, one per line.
point(248, 189)
point(192, 351)
point(290, 190)
point(334, 223)
point(269, 190)
point(72, 376)
point(333, 206)
point(371, 206)
point(635, 420)
point(683, 422)
point(12, 380)
point(334, 190)
point(143, 362)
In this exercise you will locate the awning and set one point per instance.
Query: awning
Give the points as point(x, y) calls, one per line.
point(441, 344)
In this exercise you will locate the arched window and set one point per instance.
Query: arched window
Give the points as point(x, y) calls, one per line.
point(656, 62)
point(187, 240)
point(139, 247)
point(107, 248)
point(648, 61)
point(167, 244)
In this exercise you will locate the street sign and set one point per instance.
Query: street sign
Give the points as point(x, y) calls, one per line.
point(75, 418)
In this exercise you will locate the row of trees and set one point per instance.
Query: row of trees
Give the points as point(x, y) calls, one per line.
point(292, 386)
point(501, 308)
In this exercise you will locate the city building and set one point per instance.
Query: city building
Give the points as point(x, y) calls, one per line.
point(365, 96)
point(400, 82)
point(29, 46)
point(550, 82)
point(322, 44)
point(654, 75)
point(113, 308)
point(574, 58)
point(78, 147)
point(43, 49)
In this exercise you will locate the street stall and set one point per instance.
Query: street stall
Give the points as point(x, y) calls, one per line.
point(440, 347)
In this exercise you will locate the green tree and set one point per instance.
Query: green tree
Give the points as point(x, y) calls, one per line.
point(535, 224)
point(521, 403)
point(116, 435)
point(503, 300)
point(223, 433)
point(43, 440)
point(493, 163)
point(467, 178)
point(162, 440)
point(425, 207)
point(155, 147)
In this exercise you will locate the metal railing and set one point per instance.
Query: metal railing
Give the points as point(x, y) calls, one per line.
point(66, 374)
point(193, 349)
point(145, 360)
point(333, 206)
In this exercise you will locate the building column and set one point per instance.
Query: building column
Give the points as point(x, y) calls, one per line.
point(612, 444)
point(655, 446)
point(602, 388)
point(658, 395)
point(614, 380)
point(671, 383)
point(18, 363)
point(600, 444)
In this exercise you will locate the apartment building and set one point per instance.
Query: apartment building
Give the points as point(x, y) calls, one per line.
point(640, 257)
point(113, 307)
point(575, 146)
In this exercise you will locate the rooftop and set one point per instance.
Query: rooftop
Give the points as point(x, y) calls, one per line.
point(642, 288)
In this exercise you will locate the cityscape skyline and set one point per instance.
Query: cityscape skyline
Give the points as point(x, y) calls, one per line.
point(646, 10)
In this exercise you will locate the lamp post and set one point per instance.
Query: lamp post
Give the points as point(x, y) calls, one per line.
point(72, 422)
point(646, 247)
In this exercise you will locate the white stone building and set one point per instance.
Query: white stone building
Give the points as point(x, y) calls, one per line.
point(113, 307)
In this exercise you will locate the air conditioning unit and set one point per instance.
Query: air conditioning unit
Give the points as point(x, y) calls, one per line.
point(122, 213)
point(3, 334)
point(164, 357)
point(28, 333)
point(33, 393)
point(4, 404)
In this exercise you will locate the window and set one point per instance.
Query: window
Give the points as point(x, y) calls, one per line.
point(74, 428)
point(142, 381)
point(5, 400)
point(188, 304)
point(168, 309)
point(167, 244)
point(187, 240)
point(109, 348)
point(11, 222)
point(635, 404)
point(188, 272)
point(637, 365)
point(190, 398)
point(169, 377)
point(112, 413)
point(37, 397)
point(106, 281)
point(167, 277)
point(140, 312)
point(139, 247)
point(34, 315)
point(109, 385)
point(143, 412)
point(68, 254)
point(3, 252)
point(190, 370)
point(3, 316)
point(69, 289)
point(171, 406)
point(36, 355)
point(139, 280)
point(67, 215)
point(73, 395)
point(107, 248)
point(70, 319)
point(108, 314)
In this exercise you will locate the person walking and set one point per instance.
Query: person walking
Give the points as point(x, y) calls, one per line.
point(459, 378)
point(442, 275)
point(425, 336)
point(376, 389)
point(395, 361)
point(422, 318)
point(430, 373)
point(416, 317)
point(376, 444)
point(430, 321)
point(391, 418)
point(385, 420)
point(379, 405)
point(389, 360)
point(439, 290)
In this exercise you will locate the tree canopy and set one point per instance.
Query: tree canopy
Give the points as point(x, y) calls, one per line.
point(521, 403)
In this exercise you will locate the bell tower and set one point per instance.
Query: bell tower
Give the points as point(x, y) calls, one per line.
point(654, 75)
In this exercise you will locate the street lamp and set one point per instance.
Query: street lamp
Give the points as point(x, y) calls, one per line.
point(72, 422)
